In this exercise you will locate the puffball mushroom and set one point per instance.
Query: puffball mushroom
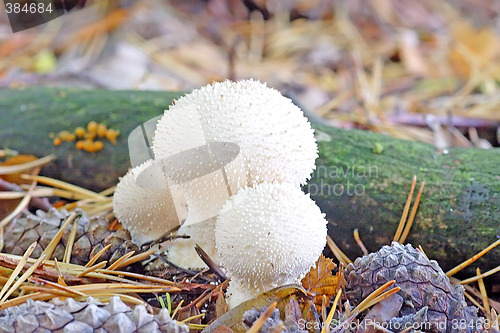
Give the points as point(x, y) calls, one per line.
point(147, 213)
point(276, 140)
point(268, 236)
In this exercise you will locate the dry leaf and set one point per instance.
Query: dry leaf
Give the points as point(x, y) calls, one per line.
point(320, 280)
point(281, 295)
point(474, 47)
point(15, 178)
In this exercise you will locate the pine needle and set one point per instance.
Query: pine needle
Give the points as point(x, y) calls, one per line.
point(23, 278)
point(21, 299)
point(412, 215)
point(97, 256)
point(484, 295)
point(359, 242)
point(477, 277)
point(201, 315)
point(38, 192)
point(341, 257)
point(99, 209)
point(2, 243)
point(326, 326)
point(60, 278)
point(373, 295)
point(92, 268)
point(406, 209)
point(177, 309)
point(262, 318)
point(49, 250)
point(380, 298)
point(18, 268)
point(422, 250)
point(138, 257)
point(69, 245)
point(119, 263)
point(56, 286)
point(495, 319)
point(108, 191)
point(469, 261)
point(9, 169)
point(107, 274)
point(473, 301)
point(65, 186)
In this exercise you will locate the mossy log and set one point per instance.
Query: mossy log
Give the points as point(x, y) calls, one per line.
point(361, 182)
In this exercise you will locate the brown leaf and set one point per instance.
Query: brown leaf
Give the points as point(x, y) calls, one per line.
point(15, 178)
point(479, 47)
point(220, 305)
point(321, 281)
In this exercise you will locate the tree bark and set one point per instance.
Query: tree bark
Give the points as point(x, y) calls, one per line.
point(361, 182)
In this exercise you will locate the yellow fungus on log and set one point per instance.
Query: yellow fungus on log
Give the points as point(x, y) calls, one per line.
point(90, 136)
point(66, 136)
point(80, 132)
point(92, 127)
point(111, 135)
point(101, 130)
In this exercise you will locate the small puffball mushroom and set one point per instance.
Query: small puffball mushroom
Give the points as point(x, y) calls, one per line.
point(268, 236)
point(145, 212)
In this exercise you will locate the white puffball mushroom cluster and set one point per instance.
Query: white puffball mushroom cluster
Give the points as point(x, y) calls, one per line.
point(146, 213)
point(267, 236)
point(275, 139)
point(256, 221)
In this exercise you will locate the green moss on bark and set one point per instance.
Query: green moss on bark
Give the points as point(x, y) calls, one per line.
point(358, 187)
point(362, 179)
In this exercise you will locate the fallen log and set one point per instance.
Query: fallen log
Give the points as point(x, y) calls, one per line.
point(361, 182)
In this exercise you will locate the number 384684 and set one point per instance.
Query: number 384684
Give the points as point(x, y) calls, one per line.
point(32, 8)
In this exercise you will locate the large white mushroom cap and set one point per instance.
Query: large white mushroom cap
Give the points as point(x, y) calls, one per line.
point(147, 213)
point(275, 138)
point(269, 235)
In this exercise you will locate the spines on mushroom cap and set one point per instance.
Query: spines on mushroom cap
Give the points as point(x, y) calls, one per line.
point(276, 140)
point(269, 235)
point(145, 212)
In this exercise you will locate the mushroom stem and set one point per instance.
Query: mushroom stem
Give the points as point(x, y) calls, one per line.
point(205, 197)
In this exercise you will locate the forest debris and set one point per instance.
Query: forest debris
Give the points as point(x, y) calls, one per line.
point(22, 204)
point(91, 237)
point(84, 316)
point(469, 261)
point(281, 295)
point(382, 312)
point(11, 169)
point(320, 281)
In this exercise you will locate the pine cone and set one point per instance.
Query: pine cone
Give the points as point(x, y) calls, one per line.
point(423, 284)
point(85, 317)
point(91, 237)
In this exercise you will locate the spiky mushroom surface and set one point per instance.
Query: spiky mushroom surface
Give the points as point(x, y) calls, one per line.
point(275, 138)
point(85, 317)
point(423, 284)
point(268, 236)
